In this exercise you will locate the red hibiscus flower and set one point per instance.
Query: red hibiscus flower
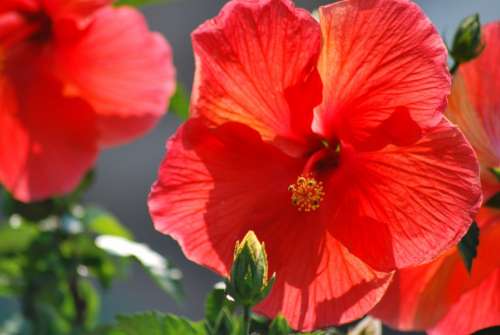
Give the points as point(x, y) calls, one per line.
point(327, 139)
point(441, 296)
point(75, 76)
point(475, 105)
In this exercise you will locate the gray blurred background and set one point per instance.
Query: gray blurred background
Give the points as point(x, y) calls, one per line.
point(124, 175)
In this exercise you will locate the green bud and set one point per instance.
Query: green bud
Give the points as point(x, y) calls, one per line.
point(249, 283)
point(467, 43)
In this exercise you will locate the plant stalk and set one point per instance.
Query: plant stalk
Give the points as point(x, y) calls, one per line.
point(246, 320)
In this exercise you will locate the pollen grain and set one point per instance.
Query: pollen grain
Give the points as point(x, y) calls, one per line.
point(307, 193)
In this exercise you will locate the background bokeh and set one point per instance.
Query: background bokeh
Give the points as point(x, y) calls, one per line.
point(124, 175)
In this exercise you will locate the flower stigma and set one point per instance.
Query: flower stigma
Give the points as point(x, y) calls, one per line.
point(307, 193)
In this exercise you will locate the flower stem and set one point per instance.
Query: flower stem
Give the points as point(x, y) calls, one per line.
point(246, 320)
point(78, 300)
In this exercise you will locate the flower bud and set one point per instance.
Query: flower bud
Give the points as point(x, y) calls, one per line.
point(467, 43)
point(249, 283)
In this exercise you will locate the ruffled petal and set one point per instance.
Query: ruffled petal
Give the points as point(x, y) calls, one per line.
point(477, 309)
point(408, 203)
point(380, 57)
point(47, 142)
point(256, 64)
point(421, 296)
point(122, 69)
point(475, 99)
point(216, 184)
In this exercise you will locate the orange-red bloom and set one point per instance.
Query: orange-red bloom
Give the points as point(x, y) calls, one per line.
point(441, 296)
point(475, 105)
point(75, 76)
point(326, 139)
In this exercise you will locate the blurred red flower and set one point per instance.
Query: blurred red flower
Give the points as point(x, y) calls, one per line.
point(441, 296)
point(474, 105)
point(327, 139)
point(76, 76)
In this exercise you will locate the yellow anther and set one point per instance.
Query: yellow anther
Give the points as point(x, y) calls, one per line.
point(307, 193)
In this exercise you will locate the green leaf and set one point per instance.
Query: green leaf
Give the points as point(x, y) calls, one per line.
point(496, 172)
point(106, 330)
point(168, 278)
point(279, 326)
point(100, 263)
point(102, 222)
point(153, 323)
point(468, 245)
point(179, 104)
point(16, 236)
point(494, 201)
point(93, 303)
point(49, 321)
point(217, 301)
point(11, 276)
point(219, 312)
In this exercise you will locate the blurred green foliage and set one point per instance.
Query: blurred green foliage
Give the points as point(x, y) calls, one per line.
point(179, 104)
point(53, 252)
point(137, 3)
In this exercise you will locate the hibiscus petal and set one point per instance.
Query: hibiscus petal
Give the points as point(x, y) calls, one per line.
point(477, 309)
point(419, 297)
point(465, 115)
point(475, 99)
point(409, 203)
point(256, 64)
point(73, 13)
point(378, 57)
point(47, 142)
point(24, 5)
point(339, 289)
point(216, 184)
point(124, 71)
point(213, 187)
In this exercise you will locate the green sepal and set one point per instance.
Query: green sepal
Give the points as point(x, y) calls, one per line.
point(468, 246)
point(279, 326)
